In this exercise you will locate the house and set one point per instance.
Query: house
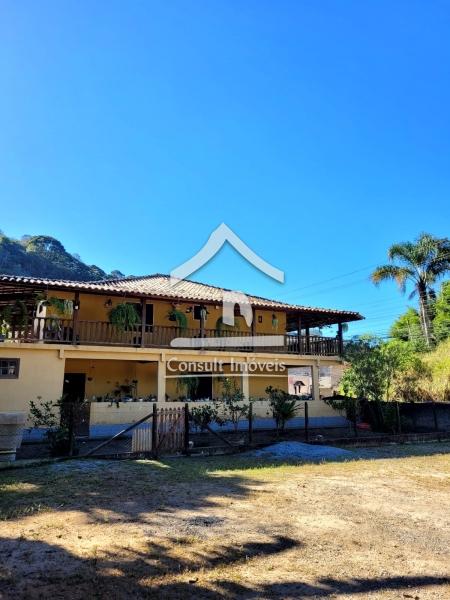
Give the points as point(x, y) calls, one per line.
point(66, 337)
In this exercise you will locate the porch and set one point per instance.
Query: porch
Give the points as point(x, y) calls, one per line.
point(52, 330)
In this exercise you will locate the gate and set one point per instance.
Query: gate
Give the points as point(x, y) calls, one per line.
point(163, 431)
point(167, 437)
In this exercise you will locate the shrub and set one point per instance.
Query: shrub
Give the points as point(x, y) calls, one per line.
point(284, 406)
point(234, 407)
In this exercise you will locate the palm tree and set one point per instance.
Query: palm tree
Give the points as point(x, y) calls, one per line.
point(420, 263)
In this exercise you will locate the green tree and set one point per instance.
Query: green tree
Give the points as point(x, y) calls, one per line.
point(419, 263)
point(441, 322)
point(378, 370)
point(364, 376)
point(407, 328)
point(402, 367)
point(234, 406)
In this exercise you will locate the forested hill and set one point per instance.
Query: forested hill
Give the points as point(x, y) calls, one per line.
point(44, 256)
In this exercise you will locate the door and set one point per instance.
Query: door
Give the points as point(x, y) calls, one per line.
point(73, 391)
point(204, 388)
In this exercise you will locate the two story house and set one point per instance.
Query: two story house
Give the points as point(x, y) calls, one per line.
point(125, 343)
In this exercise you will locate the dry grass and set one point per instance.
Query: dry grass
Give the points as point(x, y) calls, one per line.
point(377, 527)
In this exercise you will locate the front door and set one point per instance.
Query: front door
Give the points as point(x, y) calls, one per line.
point(204, 388)
point(73, 391)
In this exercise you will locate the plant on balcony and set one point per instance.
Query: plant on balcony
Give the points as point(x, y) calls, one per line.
point(13, 315)
point(221, 326)
point(284, 407)
point(124, 316)
point(61, 306)
point(177, 316)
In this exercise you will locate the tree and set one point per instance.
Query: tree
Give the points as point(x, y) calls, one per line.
point(407, 328)
point(402, 368)
point(364, 376)
point(441, 322)
point(234, 407)
point(419, 263)
point(378, 370)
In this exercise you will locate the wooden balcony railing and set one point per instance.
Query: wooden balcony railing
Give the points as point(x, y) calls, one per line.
point(65, 331)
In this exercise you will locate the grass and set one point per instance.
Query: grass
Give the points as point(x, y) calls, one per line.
point(228, 527)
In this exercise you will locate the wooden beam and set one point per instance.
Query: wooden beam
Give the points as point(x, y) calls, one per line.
point(299, 333)
point(143, 318)
point(340, 339)
point(202, 320)
point(308, 341)
point(76, 311)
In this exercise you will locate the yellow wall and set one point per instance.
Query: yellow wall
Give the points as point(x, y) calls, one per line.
point(40, 374)
point(42, 370)
point(102, 376)
point(92, 308)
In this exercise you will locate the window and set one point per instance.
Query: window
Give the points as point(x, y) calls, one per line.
point(9, 368)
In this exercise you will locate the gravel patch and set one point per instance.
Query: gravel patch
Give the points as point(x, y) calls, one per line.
point(305, 452)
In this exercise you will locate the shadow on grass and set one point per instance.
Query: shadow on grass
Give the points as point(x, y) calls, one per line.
point(117, 490)
point(135, 490)
point(34, 569)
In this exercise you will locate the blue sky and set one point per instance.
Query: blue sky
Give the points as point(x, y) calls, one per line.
point(318, 131)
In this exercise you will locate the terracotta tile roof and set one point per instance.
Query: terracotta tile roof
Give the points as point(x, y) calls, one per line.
point(159, 285)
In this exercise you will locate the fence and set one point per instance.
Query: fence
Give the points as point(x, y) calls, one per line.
point(170, 431)
point(399, 417)
point(163, 430)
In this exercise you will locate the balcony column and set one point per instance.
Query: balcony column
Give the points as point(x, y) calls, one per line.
point(253, 330)
point(202, 321)
point(245, 385)
point(315, 382)
point(299, 333)
point(143, 317)
point(161, 397)
point(340, 340)
point(76, 310)
point(308, 341)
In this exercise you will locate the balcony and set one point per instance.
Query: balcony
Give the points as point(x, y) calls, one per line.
point(51, 330)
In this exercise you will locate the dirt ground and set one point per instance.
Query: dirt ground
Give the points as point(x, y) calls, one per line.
point(375, 527)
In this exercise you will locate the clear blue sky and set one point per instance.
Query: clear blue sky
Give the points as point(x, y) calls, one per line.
point(318, 131)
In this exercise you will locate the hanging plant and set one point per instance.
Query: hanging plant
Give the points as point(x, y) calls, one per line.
point(124, 316)
point(178, 317)
point(61, 306)
point(221, 326)
point(14, 315)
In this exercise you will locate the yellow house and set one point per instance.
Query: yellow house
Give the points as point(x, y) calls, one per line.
point(126, 343)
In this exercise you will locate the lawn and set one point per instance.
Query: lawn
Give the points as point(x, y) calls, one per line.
point(230, 527)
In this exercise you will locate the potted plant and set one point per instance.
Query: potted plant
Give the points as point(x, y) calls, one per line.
point(124, 316)
point(176, 315)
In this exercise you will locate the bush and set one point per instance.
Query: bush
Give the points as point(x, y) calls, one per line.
point(58, 419)
point(234, 407)
point(203, 416)
point(284, 407)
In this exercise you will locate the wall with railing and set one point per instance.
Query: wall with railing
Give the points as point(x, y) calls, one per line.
point(68, 331)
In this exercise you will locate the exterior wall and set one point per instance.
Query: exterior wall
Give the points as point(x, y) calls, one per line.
point(102, 376)
point(92, 308)
point(40, 374)
point(42, 368)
